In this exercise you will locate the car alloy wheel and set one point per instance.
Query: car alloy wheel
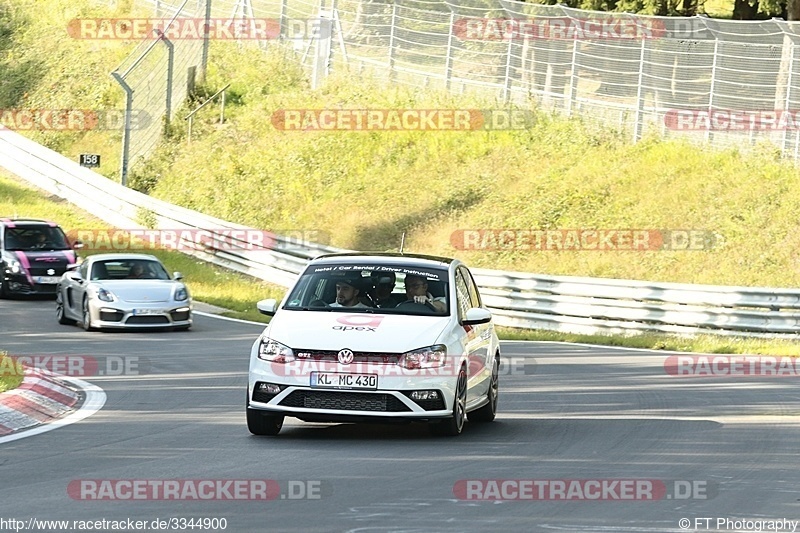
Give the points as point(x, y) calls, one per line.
point(62, 319)
point(454, 425)
point(488, 411)
point(86, 317)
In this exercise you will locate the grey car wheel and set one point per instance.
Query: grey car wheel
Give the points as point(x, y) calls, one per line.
point(86, 317)
point(62, 319)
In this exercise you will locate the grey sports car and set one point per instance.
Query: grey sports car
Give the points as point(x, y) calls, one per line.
point(123, 291)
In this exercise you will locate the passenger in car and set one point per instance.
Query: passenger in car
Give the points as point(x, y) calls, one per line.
point(382, 286)
point(347, 291)
point(417, 291)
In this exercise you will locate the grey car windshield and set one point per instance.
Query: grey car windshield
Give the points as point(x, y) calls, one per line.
point(128, 269)
point(390, 289)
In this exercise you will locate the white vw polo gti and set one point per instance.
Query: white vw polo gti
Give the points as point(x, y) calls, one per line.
point(376, 338)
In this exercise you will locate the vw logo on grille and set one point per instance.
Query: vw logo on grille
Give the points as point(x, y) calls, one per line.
point(345, 356)
point(50, 271)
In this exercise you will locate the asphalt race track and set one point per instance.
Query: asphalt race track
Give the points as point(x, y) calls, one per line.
point(636, 449)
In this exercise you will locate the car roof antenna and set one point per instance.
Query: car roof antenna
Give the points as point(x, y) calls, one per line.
point(402, 242)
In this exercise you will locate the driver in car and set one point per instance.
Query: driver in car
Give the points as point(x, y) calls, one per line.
point(417, 292)
point(347, 291)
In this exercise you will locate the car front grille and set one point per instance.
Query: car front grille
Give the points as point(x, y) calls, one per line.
point(358, 357)
point(147, 320)
point(43, 270)
point(344, 401)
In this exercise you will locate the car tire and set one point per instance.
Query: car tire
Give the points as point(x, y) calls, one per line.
point(260, 423)
point(86, 317)
point(453, 426)
point(488, 412)
point(3, 290)
point(62, 319)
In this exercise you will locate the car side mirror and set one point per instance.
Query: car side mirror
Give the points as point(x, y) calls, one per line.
point(177, 276)
point(475, 316)
point(267, 307)
point(77, 245)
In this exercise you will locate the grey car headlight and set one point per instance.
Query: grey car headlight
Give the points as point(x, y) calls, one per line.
point(181, 294)
point(104, 295)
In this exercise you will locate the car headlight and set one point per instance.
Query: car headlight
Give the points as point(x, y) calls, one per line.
point(105, 295)
point(428, 357)
point(181, 294)
point(13, 265)
point(270, 350)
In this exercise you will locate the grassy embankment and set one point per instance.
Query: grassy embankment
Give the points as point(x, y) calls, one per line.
point(366, 189)
point(11, 374)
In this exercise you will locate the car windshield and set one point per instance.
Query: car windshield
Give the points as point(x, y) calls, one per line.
point(128, 269)
point(35, 238)
point(385, 288)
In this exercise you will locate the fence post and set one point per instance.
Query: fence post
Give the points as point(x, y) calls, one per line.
point(391, 40)
point(638, 119)
point(170, 78)
point(322, 51)
point(709, 135)
point(507, 84)
point(126, 133)
point(787, 100)
point(206, 37)
point(448, 69)
point(282, 19)
point(573, 78)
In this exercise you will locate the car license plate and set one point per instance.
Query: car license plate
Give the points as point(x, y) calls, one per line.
point(139, 312)
point(48, 280)
point(344, 381)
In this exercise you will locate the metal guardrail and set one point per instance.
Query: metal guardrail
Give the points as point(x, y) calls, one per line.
point(570, 304)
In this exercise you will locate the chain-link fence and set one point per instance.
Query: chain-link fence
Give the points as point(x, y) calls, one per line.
point(727, 83)
point(157, 76)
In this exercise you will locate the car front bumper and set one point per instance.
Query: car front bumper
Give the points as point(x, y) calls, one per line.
point(150, 315)
point(390, 401)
